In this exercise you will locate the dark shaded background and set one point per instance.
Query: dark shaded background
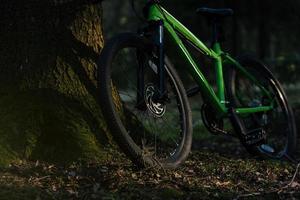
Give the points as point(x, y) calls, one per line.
point(267, 29)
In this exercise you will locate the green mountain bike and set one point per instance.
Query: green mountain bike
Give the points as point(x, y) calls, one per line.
point(146, 106)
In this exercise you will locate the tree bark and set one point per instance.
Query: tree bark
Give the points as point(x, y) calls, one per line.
point(48, 103)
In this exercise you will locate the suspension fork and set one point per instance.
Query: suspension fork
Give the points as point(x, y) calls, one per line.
point(155, 32)
point(157, 29)
point(159, 42)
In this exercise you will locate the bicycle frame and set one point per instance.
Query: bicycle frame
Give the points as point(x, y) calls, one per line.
point(218, 101)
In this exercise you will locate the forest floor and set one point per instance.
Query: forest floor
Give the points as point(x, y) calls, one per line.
point(207, 174)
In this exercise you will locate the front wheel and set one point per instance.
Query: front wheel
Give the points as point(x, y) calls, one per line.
point(278, 123)
point(150, 132)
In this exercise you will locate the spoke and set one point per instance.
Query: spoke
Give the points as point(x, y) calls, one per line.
point(150, 119)
point(127, 94)
point(166, 123)
point(155, 135)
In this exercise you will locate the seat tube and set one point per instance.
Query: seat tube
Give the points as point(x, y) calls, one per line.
point(219, 73)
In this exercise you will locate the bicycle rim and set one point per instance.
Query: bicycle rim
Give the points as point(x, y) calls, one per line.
point(157, 129)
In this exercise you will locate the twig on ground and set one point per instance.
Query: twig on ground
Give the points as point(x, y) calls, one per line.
point(278, 191)
point(292, 180)
point(295, 174)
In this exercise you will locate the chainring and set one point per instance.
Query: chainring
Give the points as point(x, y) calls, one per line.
point(213, 124)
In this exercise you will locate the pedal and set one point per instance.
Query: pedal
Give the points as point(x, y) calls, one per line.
point(251, 138)
point(255, 137)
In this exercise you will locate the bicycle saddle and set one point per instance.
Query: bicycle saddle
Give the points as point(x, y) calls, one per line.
point(211, 12)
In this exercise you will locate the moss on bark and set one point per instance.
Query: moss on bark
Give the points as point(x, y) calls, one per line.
point(48, 102)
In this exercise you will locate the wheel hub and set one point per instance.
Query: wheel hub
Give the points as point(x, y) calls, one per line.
point(157, 109)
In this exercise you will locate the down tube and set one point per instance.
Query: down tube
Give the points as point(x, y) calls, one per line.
point(197, 74)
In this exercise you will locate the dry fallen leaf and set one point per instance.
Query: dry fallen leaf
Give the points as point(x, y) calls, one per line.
point(295, 185)
point(226, 183)
point(134, 176)
point(177, 175)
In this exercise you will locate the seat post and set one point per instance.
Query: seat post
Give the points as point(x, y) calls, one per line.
point(215, 30)
point(215, 16)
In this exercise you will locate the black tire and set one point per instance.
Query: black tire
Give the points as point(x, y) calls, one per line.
point(120, 128)
point(279, 123)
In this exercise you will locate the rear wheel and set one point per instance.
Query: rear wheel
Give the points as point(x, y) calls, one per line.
point(278, 123)
point(149, 131)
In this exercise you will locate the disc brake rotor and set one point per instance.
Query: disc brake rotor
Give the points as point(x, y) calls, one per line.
point(157, 109)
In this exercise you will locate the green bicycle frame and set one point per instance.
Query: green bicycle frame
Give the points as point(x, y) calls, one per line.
point(218, 101)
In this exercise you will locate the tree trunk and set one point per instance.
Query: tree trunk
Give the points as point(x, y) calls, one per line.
point(48, 102)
